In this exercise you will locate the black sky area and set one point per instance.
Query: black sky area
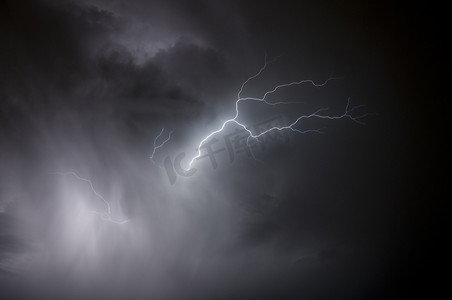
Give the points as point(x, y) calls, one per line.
point(357, 212)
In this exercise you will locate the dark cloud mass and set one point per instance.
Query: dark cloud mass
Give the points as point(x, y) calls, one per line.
point(86, 87)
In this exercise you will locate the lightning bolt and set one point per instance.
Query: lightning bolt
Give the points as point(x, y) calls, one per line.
point(159, 145)
point(105, 215)
point(263, 99)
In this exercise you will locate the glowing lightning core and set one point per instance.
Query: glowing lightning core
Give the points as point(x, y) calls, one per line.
point(263, 99)
point(106, 215)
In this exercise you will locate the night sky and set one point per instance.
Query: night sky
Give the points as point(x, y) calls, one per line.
point(97, 200)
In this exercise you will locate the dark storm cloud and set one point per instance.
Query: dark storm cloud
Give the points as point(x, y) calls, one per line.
point(66, 65)
point(61, 47)
point(74, 97)
point(87, 85)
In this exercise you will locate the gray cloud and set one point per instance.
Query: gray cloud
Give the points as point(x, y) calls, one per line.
point(86, 87)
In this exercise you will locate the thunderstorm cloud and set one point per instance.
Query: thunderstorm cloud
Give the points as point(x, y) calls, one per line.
point(344, 211)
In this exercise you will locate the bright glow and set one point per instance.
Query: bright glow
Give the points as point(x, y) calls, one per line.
point(263, 99)
point(105, 215)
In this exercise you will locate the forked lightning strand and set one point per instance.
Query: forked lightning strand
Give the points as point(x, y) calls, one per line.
point(106, 215)
point(161, 144)
point(263, 99)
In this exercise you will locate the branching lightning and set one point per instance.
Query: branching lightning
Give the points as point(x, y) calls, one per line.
point(156, 146)
point(105, 215)
point(316, 114)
